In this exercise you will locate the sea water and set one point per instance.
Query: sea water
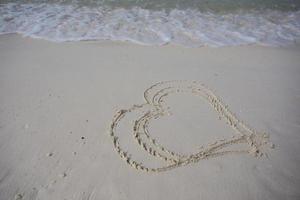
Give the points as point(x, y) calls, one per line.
point(191, 23)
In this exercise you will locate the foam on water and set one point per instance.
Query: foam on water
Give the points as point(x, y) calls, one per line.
point(191, 28)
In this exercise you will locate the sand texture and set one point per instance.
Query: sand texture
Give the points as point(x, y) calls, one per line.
point(228, 129)
point(155, 96)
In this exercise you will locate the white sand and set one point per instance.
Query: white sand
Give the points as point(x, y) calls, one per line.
point(53, 95)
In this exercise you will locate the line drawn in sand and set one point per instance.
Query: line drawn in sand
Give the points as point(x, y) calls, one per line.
point(155, 107)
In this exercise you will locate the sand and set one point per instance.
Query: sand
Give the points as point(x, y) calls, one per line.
point(156, 108)
point(58, 101)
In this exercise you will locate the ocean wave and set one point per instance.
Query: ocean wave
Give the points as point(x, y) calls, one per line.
point(190, 28)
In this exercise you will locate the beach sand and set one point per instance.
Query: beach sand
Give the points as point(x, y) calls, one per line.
point(58, 101)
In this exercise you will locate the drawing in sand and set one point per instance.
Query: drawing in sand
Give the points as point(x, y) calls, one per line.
point(156, 107)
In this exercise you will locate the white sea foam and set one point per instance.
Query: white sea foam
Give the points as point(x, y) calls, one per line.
point(191, 28)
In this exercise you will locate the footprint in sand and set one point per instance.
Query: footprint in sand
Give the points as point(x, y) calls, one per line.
point(156, 107)
point(19, 197)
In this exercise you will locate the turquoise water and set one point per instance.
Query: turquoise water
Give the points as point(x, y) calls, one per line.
point(191, 23)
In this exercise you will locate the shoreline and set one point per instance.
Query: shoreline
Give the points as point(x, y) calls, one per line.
point(294, 46)
point(186, 27)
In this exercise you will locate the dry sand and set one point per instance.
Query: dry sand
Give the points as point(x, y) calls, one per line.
point(58, 101)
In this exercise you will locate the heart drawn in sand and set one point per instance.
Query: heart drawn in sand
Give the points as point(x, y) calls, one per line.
point(155, 107)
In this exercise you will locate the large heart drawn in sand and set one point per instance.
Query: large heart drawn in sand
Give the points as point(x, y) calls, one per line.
point(156, 107)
